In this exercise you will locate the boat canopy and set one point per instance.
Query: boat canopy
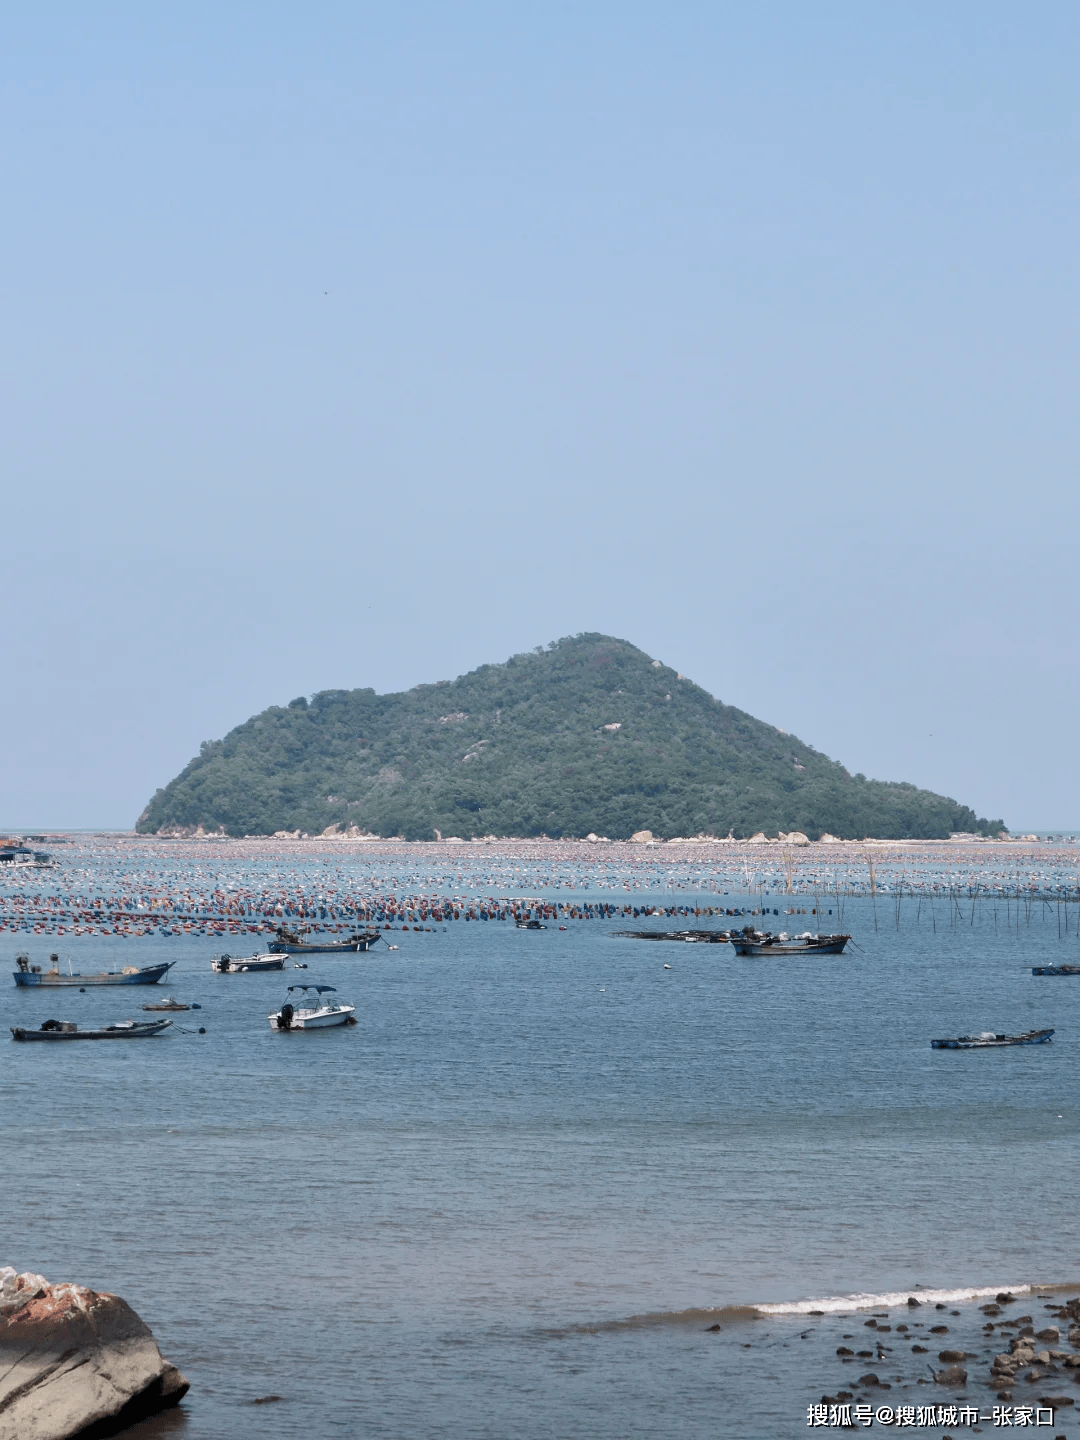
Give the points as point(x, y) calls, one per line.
point(319, 988)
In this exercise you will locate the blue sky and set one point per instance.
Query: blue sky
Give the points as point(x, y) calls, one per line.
point(362, 344)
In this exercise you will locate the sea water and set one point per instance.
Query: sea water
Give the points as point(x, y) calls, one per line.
point(514, 1197)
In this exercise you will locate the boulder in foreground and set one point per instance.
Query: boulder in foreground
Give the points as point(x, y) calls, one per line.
point(74, 1363)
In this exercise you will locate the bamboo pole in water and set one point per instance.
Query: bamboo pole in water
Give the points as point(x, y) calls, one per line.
point(873, 890)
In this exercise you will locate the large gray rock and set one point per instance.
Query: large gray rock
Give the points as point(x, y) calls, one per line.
point(954, 1375)
point(74, 1363)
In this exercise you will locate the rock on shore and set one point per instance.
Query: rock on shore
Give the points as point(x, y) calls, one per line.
point(74, 1363)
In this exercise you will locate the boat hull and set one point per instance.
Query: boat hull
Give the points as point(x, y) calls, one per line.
point(228, 965)
point(128, 1032)
point(1055, 969)
point(316, 1022)
point(340, 947)
point(834, 945)
point(149, 975)
point(975, 1042)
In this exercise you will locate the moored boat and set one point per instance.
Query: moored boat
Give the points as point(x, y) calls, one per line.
point(1055, 969)
point(531, 925)
point(244, 964)
point(33, 975)
point(67, 1030)
point(171, 1004)
point(754, 942)
point(989, 1041)
point(310, 1010)
point(289, 942)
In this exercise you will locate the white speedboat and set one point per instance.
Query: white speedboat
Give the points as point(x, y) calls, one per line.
point(246, 964)
point(311, 1010)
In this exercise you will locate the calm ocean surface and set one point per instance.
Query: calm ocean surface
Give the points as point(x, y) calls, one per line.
point(433, 1223)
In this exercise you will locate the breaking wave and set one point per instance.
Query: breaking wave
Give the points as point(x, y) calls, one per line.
point(827, 1305)
point(885, 1299)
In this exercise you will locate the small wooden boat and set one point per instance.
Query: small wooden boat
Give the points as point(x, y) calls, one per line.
point(289, 942)
point(531, 925)
point(66, 1030)
point(32, 975)
point(989, 1041)
point(310, 1010)
point(753, 942)
point(1055, 969)
point(171, 1004)
point(245, 964)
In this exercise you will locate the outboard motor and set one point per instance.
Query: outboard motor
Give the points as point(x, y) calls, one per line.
point(285, 1017)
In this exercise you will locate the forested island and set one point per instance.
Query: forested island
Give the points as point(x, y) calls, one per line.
point(589, 735)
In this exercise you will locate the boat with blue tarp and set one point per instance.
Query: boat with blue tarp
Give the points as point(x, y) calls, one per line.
point(308, 1008)
point(988, 1040)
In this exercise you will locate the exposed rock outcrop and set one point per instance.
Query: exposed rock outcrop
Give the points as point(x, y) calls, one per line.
point(953, 1375)
point(75, 1363)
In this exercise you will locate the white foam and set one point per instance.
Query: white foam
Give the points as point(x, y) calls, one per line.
point(890, 1298)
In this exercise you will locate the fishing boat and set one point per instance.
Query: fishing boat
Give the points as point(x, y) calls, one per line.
point(33, 975)
point(531, 925)
point(989, 1041)
point(310, 1011)
point(67, 1030)
point(1055, 969)
point(754, 942)
point(290, 942)
point(171, 1004)
point(244, 964)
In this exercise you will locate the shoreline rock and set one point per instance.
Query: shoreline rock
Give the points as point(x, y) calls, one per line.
point(76, 1364)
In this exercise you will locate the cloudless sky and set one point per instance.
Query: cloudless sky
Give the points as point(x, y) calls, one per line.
point(361, 344)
